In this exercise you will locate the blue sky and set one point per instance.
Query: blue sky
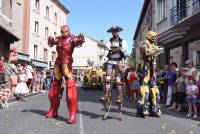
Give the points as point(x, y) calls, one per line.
point(94, 17)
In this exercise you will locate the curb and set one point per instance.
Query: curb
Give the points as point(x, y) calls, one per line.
point(14, 99)
point(179, 114)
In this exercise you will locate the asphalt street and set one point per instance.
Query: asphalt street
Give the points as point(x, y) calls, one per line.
point(29, 118)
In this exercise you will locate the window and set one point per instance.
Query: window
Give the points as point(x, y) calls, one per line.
point(0, 5)
point(196, 4)
point(161, 9)
point(35, 52)
point(55, 18)
point(194, 51)
point(140, 36)
point(36, 29)
point(53, 58)
point(45, 55)
point(47, 12)
point(149, 17)
point(182, 4)
point(46, 32)
point(37, 5)
point(6, 9)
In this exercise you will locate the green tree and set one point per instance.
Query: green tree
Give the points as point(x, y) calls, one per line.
point(131, 58)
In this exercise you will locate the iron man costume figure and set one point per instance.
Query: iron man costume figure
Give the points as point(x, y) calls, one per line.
point(149, 102)
point(65, 45)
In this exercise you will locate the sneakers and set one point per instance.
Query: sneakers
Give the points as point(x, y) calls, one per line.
point(195, 116)
point(1, 106)
point(34, 92)
point(6, 104)
point(172, 108)
point(188, 115)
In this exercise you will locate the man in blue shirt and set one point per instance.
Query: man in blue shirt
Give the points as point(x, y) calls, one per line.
point(171, 77)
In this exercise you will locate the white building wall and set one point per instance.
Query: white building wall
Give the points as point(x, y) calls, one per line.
point(164, 24)
point(40, 17)
point(17, 22)
point(90, 50)
point(145, 27)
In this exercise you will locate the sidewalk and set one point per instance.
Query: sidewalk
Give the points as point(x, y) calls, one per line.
point(181, 114)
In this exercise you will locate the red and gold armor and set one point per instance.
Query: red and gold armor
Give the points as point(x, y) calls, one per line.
point(65, 45)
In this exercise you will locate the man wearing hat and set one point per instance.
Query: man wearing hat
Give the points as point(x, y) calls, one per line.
point(116, 54)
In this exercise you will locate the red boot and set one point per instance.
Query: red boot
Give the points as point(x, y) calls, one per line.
point(71, 94)
point(54, 93)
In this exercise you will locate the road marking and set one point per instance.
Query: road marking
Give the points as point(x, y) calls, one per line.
point(81, 119)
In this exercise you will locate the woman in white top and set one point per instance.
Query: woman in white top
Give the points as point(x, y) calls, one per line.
point(22, 89)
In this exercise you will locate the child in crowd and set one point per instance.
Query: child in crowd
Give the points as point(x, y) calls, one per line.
point(192, 91)
point(22, 89)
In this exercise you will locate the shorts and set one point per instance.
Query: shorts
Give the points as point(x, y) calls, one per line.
point(191, 100)
point(135, 85)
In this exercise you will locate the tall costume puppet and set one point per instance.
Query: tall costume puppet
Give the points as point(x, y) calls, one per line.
point(149, 90)
point(115, 56)
point(65, 45)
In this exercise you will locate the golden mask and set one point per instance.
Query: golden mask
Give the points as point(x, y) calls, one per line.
point(150, 35)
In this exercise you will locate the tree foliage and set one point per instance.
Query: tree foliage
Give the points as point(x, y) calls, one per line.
point(131, 58)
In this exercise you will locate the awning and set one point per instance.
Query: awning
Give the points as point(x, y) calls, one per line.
point(22, 56)
point(38, 63)
point(7, 35)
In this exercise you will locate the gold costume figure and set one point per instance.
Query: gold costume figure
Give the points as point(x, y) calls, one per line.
point(149, 100)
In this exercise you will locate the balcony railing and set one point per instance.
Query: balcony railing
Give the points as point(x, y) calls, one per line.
point(196, 5)
point(179, 12)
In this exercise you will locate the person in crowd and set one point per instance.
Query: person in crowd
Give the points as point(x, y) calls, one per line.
point(4, 89)
point(180, 93)
point(33, 82)
point(52, 77)
point(191, 71)
point(48, 79)
point(133, 84)
point(39, 81)
point(198, 85)
point(22, 88)
point(12, 72)
point(171, 77)
point(29, 71)
point(164, 84)
point(43, 81)
point(126, 82)
point(2, 70)
point(192, 91)
point(4, 96)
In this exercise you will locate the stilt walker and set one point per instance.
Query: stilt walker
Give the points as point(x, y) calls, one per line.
point(115, 56)
point(149, 101)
